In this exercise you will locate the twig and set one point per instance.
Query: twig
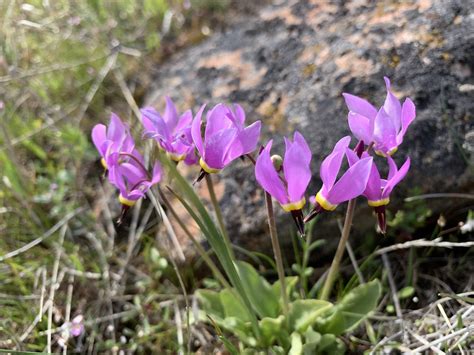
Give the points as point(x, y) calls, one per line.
point(393, 289)
point(425, 342)
point(54, 285)
point(468, 329)
point(109, 64)
point(46, 235)
point(385, 341)
point(168, 226)
point(439, 195)
point(196, 244)
point(179, 328)
point(437, 243)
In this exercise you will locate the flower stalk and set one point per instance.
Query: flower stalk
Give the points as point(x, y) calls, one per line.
point(334, 269)
point(277, 251)
point(217, 210)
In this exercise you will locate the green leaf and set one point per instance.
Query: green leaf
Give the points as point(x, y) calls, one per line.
point(258, 290)
point(232, 306)
point(290, 282)
point(296, 344)
point(274, 329)
point(312, 340)
point(331, 345)
point(198, 212)
point(304, 313)
point(353, 308)
point(211, 303)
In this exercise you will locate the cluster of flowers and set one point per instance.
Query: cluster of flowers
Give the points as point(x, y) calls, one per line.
point(226, 138)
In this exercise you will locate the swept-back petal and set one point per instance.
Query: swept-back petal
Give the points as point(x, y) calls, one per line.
point(360, 106)
point(361, 126)
point(116, 129)
point(156, 174)
point(392, 106)
point(217, 120)
point(332, 163)
point(185, 121)
point(296, 168)
point(239, 114)
point(171, 114)
point(385, 131)
point(99, 138)
point(155, 125)
point(267, 176)
point(217, 146)
point(408, 115)
point(196, 130)
point(373, 190)
point(245, 142)
point(352, 183)
point(396, 178)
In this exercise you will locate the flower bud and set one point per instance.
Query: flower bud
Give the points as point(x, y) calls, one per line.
point(277, 161)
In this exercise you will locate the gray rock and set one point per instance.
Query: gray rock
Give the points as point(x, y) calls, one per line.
point(289, 65)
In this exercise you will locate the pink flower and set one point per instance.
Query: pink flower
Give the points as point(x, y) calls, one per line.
point(386, 127)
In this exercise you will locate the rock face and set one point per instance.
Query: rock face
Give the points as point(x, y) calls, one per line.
point(289, 65)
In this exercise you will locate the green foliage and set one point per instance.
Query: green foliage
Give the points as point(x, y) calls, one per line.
point(311, 326)
point(352, 309)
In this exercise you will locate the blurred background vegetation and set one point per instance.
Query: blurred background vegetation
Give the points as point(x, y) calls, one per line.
point(64, 66)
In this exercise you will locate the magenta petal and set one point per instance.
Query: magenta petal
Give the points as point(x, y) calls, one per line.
point(116, 129)
point(239, 114)
point(156, 174)
point(361, 126)
point(342, 143)
point(217, 146)
point(392, 106)
point(352, 183)
point(385, 132)
point(296, 168)
point(185, 121)
point(132, 173)
point(99, 137)
point(217, 120)
point(245, 142)
point(196, 130)
point(360, 106)
point(392, 167)
point(267, 176)
point(352, 157)
point(155, 125)
point(171, 114)
point(373, 190)
point(408, 115)
point(396, 178)
point(332, 163)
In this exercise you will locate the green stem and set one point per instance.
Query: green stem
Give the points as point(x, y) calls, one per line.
point(276, 251)
point(304, 264)
point(327, 288)
point(197, 245)
point(217, 210)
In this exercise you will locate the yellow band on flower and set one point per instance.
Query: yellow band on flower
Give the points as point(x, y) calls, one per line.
point(390, 152)
point(378, 203)
point(176, 157)
point(104, 164)
point(324, 203)
point(207, 168)
point(294, 206)
point(125, 201)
